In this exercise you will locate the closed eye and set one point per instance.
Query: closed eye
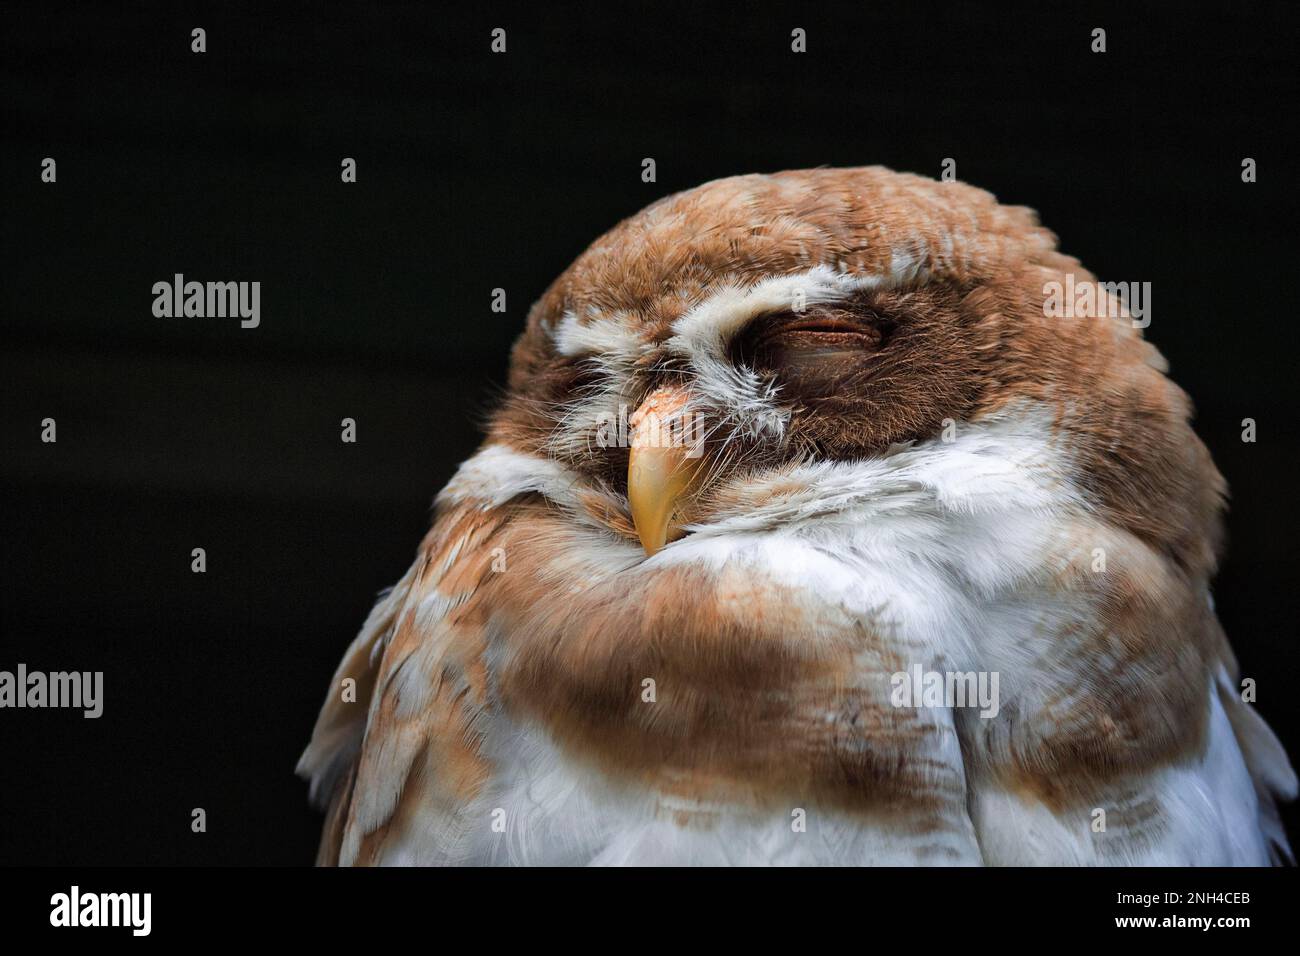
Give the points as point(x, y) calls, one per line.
point(802, 339)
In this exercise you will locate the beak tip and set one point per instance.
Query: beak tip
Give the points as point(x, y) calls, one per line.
point(652, 538)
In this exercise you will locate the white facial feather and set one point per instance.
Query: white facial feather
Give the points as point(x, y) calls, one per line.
point(496, 474)
point(706, 329)
point(610, 340)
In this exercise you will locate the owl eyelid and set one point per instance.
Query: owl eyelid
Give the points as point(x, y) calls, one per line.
point(818, 323)
point(820, 320)
point(797, 338)
point(843, 329)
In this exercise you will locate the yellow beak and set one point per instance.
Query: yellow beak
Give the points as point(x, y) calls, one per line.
point(660, 467)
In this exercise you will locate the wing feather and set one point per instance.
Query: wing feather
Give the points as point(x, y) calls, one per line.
point(408, 734)
point(1270, 770)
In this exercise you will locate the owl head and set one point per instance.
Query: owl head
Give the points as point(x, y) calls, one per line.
point(722, 351)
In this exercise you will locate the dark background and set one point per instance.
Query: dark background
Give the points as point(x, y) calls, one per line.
point(479, 171)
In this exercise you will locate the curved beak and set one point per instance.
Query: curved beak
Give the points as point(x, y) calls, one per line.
point(662, 464)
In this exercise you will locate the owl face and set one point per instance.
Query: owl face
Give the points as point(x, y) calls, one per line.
point(756, 326)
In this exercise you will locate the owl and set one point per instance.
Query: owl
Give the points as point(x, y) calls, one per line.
point(808, 533)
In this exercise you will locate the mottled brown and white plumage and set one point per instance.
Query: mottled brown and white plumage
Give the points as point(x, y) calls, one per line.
point(904, 462)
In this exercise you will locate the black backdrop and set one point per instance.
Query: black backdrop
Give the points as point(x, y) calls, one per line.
point(478, 171)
